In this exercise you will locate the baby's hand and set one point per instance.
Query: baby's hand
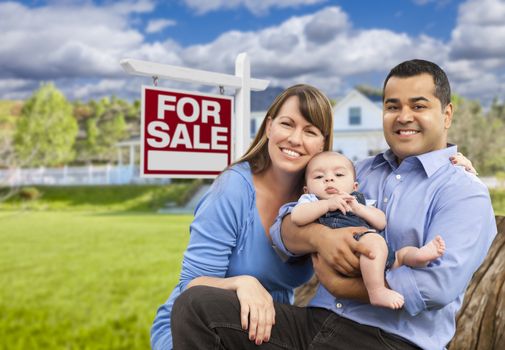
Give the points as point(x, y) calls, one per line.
point(340, 202)
point(353, 203)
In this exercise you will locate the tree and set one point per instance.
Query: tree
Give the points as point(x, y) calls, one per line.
point(102, 127)
point(9, 112)
point(497, 110)
point(478, 136)
point(46, 129)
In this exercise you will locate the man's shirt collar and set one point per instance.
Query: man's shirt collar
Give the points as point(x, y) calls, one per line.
point(431, 161)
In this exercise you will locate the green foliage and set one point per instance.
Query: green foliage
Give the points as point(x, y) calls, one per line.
point(29, 193)
point(73, 280)
point(46, 130)
point(498, 199)
point(478, 136)
point(98, 198)
point(103, 126)
point(9, 113)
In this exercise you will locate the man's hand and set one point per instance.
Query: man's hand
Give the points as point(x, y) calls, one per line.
point(337, 284)
point(341, 251)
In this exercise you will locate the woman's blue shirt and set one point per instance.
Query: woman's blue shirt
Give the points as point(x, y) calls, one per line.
point(227, 239)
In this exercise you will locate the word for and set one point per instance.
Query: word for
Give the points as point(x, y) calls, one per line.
point(192, 115)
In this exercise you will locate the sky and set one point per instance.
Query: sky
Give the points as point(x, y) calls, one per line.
point(334, 45)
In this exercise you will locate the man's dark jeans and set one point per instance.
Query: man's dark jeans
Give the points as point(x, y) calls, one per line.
point(209, 318)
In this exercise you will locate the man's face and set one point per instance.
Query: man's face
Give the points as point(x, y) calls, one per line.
point(413, 119)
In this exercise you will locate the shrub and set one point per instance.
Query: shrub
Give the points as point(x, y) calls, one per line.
point(29, 193)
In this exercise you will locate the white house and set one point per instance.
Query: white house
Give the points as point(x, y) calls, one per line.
point(357, 126)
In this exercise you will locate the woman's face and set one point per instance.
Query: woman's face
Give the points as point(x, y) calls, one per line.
point(292, 140)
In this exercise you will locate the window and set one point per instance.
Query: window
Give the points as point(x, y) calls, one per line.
point(355, 116)
point(253, 127)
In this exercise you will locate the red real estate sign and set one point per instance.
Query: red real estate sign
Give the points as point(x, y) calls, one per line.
point(185, 134)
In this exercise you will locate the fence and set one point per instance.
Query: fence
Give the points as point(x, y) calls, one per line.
point(83, 175)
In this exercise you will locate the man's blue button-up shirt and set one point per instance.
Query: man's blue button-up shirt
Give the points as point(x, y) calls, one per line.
point(422, 197)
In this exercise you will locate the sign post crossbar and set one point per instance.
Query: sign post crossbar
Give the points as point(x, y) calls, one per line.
point(241, 82)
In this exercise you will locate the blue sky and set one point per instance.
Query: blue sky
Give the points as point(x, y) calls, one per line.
point(331, 44)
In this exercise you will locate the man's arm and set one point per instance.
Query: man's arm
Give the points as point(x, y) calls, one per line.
point(338, 285)
point(337, 246)
point(468, 238)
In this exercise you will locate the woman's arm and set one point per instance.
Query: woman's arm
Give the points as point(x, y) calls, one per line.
point(219, 219)
point(256, 303)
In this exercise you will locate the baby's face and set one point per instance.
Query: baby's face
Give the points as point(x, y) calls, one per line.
point(328, 175)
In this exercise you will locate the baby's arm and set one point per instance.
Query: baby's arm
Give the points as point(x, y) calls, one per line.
point(305, 213)
point(375, 217)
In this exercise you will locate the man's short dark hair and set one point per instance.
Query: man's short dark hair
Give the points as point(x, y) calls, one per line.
point(415, 67)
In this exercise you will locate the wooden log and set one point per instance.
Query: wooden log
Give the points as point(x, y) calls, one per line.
point(480, 323)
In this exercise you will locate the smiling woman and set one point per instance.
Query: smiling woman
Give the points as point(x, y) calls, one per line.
point(230, 247)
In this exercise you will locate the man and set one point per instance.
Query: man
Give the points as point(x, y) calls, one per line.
point(423, 195)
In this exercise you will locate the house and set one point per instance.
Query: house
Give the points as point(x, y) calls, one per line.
point(357, 126)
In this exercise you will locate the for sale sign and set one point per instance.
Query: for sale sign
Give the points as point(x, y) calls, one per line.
point(185, 134)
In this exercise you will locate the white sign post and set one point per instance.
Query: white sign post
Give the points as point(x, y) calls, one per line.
point(241, 82)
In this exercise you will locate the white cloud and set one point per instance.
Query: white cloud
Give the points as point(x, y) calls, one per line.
point(422, 2)
point(439, 3)
point(79, 47)
point(103, 87)
point(157, 25)
point(480, 30)
point(300, 49)
point(65, 40)
point(16, 89)
point(476, 63)
point(257, 7)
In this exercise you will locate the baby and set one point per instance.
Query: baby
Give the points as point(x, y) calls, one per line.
point(331, 198)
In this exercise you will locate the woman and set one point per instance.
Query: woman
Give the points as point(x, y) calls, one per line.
point(230, 245)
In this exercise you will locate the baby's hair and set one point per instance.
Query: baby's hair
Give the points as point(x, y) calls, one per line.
point(351, 165)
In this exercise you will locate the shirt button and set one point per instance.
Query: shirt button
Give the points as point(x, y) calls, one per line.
point(398, 177)
point(385, 199)
point(339, 305)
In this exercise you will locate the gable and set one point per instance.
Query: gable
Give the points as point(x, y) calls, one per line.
point(357, 112)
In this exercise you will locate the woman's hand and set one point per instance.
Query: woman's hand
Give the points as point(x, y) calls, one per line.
point(460, 160)
point(257, 312)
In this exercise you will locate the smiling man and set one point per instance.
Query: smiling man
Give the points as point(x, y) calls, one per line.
point(423, 196)
point(417, 112)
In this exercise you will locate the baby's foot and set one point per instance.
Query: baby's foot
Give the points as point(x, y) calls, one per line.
point(431, 251)
point(386, 297)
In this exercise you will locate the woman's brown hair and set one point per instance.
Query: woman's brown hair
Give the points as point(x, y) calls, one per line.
point(315, 108)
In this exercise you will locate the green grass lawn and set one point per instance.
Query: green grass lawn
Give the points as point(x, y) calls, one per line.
point(90, 272)
point(99, 198)
point(80, 280)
